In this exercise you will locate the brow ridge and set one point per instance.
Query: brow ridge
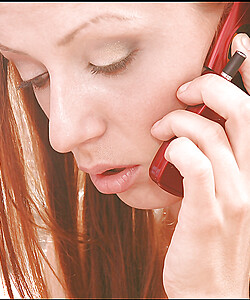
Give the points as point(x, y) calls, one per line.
point(69, 37)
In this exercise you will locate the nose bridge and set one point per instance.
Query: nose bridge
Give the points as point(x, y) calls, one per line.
point(74, 117)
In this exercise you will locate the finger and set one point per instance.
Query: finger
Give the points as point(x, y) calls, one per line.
point(216, 92)
point(195, 167)
point(209, 136)
point(241, 42)
point(231, 103)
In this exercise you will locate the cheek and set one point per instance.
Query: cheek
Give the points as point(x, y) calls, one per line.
point(148, 92)
point(147, 99)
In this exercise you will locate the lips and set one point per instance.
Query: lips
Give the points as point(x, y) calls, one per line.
point(115, 180)
point(113, 171)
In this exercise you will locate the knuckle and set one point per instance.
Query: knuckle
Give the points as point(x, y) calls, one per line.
point(203, 169)
point(174, 114)
point(175, 148)
point(214, 223)
point(240, 208)
point(179, 142)
point(214, 132)
point(209, 81)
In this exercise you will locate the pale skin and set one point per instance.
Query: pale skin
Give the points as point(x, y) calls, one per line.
point(109, 119)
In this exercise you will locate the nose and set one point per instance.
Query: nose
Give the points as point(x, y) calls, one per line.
point(74, 119)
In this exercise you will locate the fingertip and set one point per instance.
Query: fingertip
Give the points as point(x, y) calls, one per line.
point(241, 42)
point(246, 41)
point(183, 88)
point(155, 126)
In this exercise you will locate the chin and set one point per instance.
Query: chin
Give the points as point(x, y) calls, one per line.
point(148, 195)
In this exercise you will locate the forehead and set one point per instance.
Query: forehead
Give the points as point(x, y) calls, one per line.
point(31, 8)
point(24, 18)
point(26, 12)
point(35, 11)
point(41, 12)
point(18, 14)
point(18, 18)
point(21, 21)
point(25, 24)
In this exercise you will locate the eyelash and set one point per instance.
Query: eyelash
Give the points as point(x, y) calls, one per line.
point(114, 68)
point(39, 82)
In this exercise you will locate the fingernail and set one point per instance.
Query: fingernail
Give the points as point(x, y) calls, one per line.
point(246, 42)
point(156, 124)
point(183, 87)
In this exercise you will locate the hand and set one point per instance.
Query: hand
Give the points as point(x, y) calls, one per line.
point(209, 254)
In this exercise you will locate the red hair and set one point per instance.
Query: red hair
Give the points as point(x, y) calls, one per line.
point(114, 254)
point(104, 248)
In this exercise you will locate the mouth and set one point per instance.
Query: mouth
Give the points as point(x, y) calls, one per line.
point(115, 180)
point(113, 171)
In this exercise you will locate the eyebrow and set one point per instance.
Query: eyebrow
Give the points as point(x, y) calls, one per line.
point(70, 36)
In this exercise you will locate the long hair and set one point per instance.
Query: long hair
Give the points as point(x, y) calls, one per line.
point(104, 248)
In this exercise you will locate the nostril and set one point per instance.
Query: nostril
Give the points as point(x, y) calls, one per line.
point(69, 129)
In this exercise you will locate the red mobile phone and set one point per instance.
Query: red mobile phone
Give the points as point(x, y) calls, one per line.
point(163, 172)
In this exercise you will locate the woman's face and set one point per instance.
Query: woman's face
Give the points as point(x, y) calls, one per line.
point(105, 73)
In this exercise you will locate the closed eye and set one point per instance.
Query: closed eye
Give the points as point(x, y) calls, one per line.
point(41, 81)
point(114, 68)
point(37, 82)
